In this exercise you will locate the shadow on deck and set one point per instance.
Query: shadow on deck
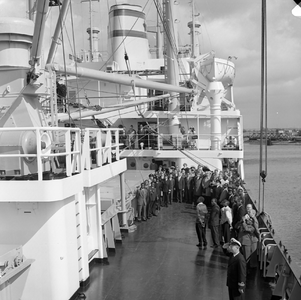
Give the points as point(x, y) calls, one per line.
point(160, 261)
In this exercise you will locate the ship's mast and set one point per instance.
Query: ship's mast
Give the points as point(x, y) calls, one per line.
point(39, 29)
point(91, 30)
point(263, 115)
point(159, 38)
point(194, 26)
point(171, 48)
point(58, 30)
point(172, 67)
point(193, 52)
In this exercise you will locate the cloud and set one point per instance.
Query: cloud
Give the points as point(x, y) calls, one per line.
point(226, 9)
point(14, 8)
point(235, 29)
point(230, 27)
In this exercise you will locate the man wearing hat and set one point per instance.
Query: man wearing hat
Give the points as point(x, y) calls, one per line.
point(236, 275)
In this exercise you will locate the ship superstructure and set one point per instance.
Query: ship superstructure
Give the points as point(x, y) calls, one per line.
point(55, 215)
point(183, 127)
point(57, 212)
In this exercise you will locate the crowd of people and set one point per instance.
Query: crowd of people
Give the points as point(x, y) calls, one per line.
point(221, 204)
point(146, 137)
point(218, 196)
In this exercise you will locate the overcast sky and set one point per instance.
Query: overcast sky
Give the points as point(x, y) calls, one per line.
point(229, 27)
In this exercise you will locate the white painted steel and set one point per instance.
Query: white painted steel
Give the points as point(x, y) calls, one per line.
point(214, 92)
point(39, 30)
point(117, 78)
point(126, 21)
point(57, 32)
point(113, 108)
point(15, 40)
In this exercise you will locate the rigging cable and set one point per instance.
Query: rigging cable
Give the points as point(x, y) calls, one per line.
point(127, 63)
point(65, 70)
point(170, 36)
point(73, 38)
point(191, 156)
point(121, 44)
point(126, 57)
point(154, 130)
point(263, 111)
point(204, 25)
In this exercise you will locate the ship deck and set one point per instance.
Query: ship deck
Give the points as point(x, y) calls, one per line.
point(160, 261)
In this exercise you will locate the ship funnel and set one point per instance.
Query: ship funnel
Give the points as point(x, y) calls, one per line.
point(15, 41)
point(127, 34)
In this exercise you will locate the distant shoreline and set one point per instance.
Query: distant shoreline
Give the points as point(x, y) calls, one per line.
point(257, 142)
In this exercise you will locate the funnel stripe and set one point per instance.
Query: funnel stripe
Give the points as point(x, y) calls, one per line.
point(128, 12)
point(128, 33)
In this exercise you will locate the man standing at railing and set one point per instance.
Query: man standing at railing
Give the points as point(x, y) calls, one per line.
point(132, 137)
point(141, 202)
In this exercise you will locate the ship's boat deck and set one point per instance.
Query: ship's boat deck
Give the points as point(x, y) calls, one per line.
point(160, 260)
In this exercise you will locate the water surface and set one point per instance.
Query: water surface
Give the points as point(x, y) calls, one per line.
point(282, 190)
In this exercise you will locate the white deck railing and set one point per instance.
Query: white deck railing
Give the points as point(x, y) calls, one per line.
point(100, 146)
point(180, 141)
point(43, 148)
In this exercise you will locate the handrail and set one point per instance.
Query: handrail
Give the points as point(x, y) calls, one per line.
point(42, 147)
point(190, 141)
point(40, 143)
point(99, 146)
point(284, 260)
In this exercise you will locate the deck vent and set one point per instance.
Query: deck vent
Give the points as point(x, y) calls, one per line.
point(17, 172)
point(2, 172)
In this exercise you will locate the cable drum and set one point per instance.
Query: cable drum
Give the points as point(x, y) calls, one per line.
point(45, 144)
point(29, 144)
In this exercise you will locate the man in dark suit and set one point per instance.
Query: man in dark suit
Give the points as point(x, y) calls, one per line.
point(214, 222)
point(236, 274)
point(180, 183)
point(200, 225)
point(217, 190)
point(189, 187)
point(166, 190)
point(238, 213)
point(224, 194)
point(197, 192)
point(172, 187)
